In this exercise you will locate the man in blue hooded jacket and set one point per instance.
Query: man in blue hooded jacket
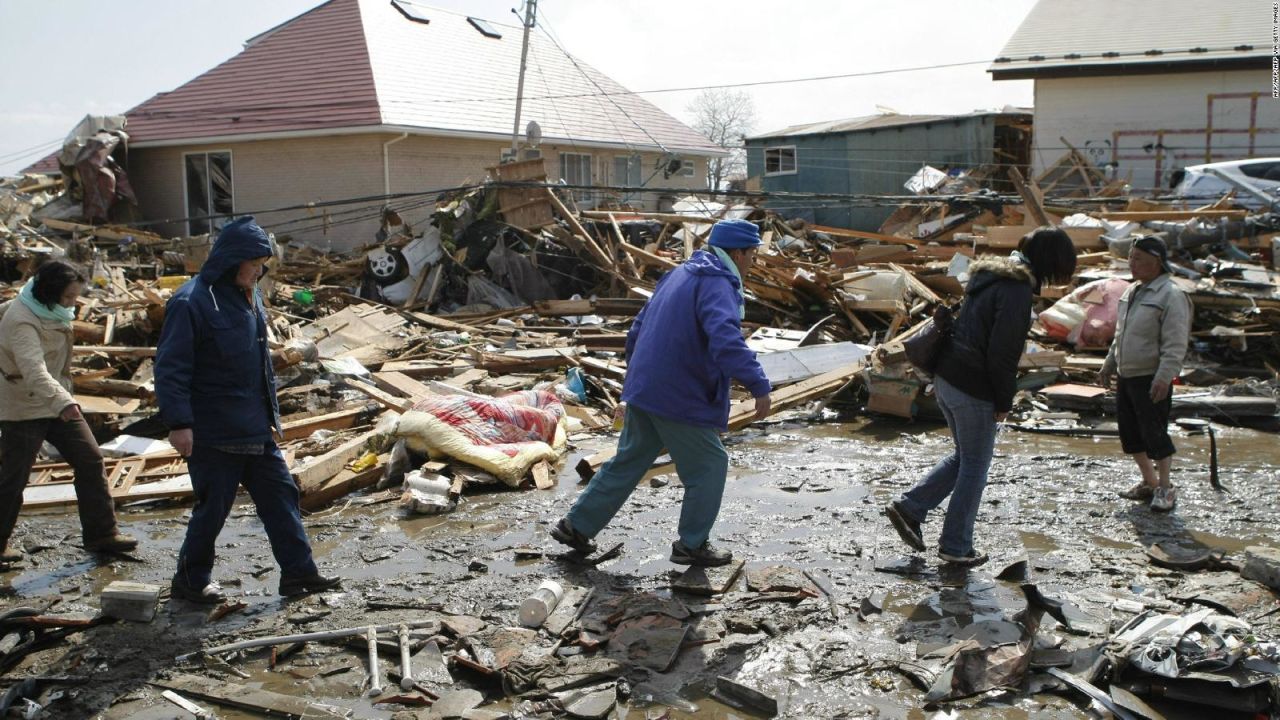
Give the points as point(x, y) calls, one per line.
point(216, 391)
point(682, 350)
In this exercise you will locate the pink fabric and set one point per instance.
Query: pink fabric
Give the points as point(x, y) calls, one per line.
point(500, 423)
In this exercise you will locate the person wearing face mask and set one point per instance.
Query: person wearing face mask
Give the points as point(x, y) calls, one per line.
point(216, 389)
point(36, 405)
point(1153, 327)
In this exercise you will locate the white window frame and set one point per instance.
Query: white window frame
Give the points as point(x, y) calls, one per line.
point(589, 162)
point(214, 225)
point(795, 164)
point(687, 167)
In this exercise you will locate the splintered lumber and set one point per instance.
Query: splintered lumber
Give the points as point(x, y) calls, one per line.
point(106, 233)
point(599, 306)
point(249, 698)
point(386, 400)
point(425, 368)
point(436, 321)
point(344, 483)
point(592, 248)
point(1034, 203)
point(395, 382)
point(861, 235)
point(111, 387)
point(535, 359)
point(321, 468)
point(114, 350)
point(743, 413)
point(648, 257)
point(341, 420)
point(1146, 215)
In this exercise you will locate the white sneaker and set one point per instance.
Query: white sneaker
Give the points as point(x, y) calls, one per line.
point(1164, 499)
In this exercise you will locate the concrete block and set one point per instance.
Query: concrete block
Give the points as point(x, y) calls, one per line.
point(130, 601)
point(1262, 564)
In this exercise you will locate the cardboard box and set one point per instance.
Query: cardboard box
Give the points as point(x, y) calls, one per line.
point(130, 601)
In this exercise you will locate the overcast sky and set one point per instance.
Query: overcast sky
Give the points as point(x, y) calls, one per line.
point(68, 58)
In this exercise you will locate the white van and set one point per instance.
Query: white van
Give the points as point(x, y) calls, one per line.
point(1199, 185)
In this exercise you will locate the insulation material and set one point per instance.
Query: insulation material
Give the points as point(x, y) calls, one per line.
point(505, 436)
point(1087, 317)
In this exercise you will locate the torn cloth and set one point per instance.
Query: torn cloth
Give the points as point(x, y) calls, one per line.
point(504, 436)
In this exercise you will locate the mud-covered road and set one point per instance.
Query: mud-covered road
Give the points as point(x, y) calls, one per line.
point(803, 495)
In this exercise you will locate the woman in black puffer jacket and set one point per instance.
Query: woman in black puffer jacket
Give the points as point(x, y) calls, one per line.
point(975, 384)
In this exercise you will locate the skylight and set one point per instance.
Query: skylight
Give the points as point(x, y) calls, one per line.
point(411, 10)
point(484, 27)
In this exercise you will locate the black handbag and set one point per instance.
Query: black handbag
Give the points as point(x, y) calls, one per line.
point(925, 347)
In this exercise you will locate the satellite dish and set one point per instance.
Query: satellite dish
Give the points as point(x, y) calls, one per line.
point(533, 132)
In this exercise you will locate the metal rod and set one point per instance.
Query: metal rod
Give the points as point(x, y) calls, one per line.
point(406, 663)
point(375, 677)
point(285, 639)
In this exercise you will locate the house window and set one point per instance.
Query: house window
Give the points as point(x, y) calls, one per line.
point(209, 191)
point(626, 172)
point(484, 27)
point(687, 166)
point(780, 160)
point(575, 169)
point(412, 10)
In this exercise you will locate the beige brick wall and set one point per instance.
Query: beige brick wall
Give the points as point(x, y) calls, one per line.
point(269, 174)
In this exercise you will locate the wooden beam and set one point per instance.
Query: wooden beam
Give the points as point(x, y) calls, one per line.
point(317, 470)
point(394, 382)
point(388, 401)
point(592, 248)
point(1145, 215)
point(340, 420)
point(1034, 203)
point(442, 323)
point(649, 257)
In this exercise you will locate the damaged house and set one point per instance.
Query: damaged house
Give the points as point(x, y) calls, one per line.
point(366, 98)
point(1147, 87)
point(877, 155)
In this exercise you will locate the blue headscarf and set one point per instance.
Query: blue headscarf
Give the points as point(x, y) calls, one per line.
point(58, 313)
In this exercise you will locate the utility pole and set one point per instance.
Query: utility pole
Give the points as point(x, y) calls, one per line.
point(530, 18)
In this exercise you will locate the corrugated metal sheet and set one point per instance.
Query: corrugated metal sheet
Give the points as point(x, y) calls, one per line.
point(355, 63)
point(1169, 29)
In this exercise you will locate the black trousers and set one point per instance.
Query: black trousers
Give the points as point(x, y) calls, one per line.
point(20, 442)
point(1144, 425)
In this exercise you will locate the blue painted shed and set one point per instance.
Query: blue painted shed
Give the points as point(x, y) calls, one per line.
point(875, 155)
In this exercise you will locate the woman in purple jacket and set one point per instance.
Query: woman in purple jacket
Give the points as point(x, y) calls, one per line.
point(682, 350)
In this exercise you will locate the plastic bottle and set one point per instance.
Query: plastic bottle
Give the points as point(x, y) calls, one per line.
point(535, 609)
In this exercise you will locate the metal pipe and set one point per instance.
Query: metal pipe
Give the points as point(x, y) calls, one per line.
point(386, 163)
point(304, 637)
point(375, 677)
point(406, 663)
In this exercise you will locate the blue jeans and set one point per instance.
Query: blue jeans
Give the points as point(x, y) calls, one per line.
point(962, 474)
point(215, 477)
point(701, 462)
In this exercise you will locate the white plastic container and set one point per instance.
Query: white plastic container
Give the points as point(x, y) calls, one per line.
point(535, 609)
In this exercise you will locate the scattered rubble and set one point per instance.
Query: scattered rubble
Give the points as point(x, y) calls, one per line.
point(467, 355)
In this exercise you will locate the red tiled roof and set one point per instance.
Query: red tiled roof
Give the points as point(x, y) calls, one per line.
point(312, 72)
point(362, 63)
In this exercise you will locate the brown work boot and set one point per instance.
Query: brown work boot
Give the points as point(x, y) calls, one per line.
point(10, 556)
point(111, 543)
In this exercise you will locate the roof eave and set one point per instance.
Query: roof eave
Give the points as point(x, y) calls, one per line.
point(1144, 67)
point(142, 143)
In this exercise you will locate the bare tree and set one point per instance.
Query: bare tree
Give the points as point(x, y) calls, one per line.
point(725, 117)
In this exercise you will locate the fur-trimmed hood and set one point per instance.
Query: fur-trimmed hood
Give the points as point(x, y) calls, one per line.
point(984, 273)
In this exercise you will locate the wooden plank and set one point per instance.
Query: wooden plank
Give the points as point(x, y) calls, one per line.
point(92, 405)
point(318, 470)
point(542, 476)
point(340, 420)
point(388, 401)
point(113, 350)
point(443, 323)
point(862, 235)
point(246, 697)
point(1143, 216)
point(649, 257)
point(344, 483)
point(426, 368)
point(742, 413)
point(592, 248)
point(1035, 205)
point(394, 382)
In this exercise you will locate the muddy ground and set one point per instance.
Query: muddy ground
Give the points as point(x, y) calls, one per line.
point(807, 495)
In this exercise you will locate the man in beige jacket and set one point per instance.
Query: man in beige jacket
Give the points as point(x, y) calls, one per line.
point(1152, 331)
point(36, 405)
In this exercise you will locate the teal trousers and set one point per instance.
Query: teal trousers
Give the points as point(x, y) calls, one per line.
point(701, 462)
